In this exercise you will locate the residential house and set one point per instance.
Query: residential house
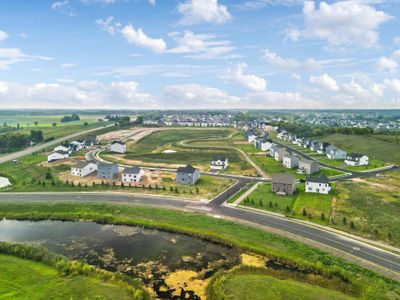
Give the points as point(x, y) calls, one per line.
point(283, 184)
point(273, 150)
point(118, 147)
point(280, 153)
point(336, 153)
point(314, 145)
point(64, 148)
point(290, 161)
point(356, 159)
point(308, 166)
point(107, 171)
point(187, 175)
point(132, 174)
point(322, 147)
point(263, 143)
point(57, 155)
point(219, 163)
point(248, 133)
point(318, 185)
point(83, 168)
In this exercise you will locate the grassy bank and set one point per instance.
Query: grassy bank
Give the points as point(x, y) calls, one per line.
point(370, 208)
point(248, 283)
point(277, 248)
point(34, 273)
point(302, 205)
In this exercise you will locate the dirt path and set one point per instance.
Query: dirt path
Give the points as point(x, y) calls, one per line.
point(375, 184)
point(332, 212)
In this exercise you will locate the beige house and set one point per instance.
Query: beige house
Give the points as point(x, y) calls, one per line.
point(283, 184)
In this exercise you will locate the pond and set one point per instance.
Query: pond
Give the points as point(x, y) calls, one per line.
point(173, 266)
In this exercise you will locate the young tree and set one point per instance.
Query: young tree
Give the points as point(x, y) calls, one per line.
point(344, 220)
point(322, 217)
point(304, 212)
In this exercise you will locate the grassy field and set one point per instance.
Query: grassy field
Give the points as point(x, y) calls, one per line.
point(30, 176)
point(379, 148)
point(241, 192)
point(338, 273)
point(314, 204)
point(45, 121)
point(371, 208)
point(25, 279)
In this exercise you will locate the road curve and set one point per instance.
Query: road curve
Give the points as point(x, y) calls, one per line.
point(364, 254)
point(39, 147)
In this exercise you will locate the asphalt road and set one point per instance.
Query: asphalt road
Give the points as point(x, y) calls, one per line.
point(30, 150)
point(387, 262)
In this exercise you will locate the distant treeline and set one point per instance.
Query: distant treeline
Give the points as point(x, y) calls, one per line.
point(15, 141)
point(73, 117)
point(309, 131)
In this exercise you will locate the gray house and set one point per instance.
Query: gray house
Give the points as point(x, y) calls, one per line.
point(107, 171)
point(283, 184)
point(308, 166)
point(187, 175)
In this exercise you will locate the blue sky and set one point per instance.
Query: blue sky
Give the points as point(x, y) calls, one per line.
point(199, 54)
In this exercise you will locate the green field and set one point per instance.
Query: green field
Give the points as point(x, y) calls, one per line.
point(376, 147)
point(373, 206)
point(314, 204)
point(26, 279)
point(351, 278)
point(44, 121)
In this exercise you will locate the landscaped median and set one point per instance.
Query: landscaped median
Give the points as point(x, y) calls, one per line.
point(31, 272)
point(312, 266)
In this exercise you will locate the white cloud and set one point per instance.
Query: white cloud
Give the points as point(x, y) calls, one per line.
point(257, 4)
point(393, 84)
point(152, 2)
point(3, 36)
point(67, 65)
point(289, 64)
point(325, 82)
point(9, 56)
point(201, 46)
point(386, 64)
point(90, 94)
point(343, 23)
point(139, 38)
point(64, 7)
point(249, 81)
point(203, 11)
point(106, 2)
point(106, 24)
point(198, 96)
point(293, 34)
point(295, 76)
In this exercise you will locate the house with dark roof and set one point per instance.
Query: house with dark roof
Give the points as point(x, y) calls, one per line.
point(219, 163)
point(83, 168)
point(107, 171)
point(322, 147)
point(118, 147)
point(335, 153)
point(132, 174)
point(187, 175)
point(319, 185)
point(283, 184)
point(290, 161)
point(57, 155)
point(248, 133)
point(357, 159)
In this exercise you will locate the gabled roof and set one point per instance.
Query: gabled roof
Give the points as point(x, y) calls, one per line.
point(118, 142)
point(353, 156)
point(60, 152)
point(104, 165)
point(283, 178)
point(308, 161)
point(82, 164)
point(319, 179)
point(132, 170)
point(188, 169)
point(222, 158)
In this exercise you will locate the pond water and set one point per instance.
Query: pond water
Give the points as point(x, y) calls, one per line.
point(4, 181)
point(174, 266)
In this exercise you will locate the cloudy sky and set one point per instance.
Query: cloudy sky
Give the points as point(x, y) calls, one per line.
point(199, 54)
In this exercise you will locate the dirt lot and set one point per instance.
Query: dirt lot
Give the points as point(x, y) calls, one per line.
point(127, 134)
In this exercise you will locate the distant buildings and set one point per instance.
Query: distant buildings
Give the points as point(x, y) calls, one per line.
point(283, 184)
point(336, 153)
point(318, 185)
point(57, 155)
point(290, 161)
point(187, 175)
point(308, 166)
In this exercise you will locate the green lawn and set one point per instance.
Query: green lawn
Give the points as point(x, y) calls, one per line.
point(314, 204)
point(240, 193)
point(26, 279)
point(375, 146)
point(44, 120)
point(373, 208)
point(334, 270)
point(261, 287)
